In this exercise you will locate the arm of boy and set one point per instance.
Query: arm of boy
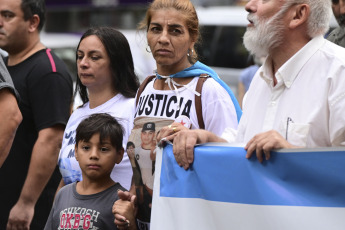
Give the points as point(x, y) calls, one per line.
point(125, 210)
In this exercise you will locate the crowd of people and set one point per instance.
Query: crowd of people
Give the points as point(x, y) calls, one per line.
point(58, 168)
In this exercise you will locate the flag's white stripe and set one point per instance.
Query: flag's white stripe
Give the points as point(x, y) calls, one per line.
point(196, 212)
point(183, 213)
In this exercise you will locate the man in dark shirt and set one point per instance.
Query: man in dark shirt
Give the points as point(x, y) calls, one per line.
point(27, 179)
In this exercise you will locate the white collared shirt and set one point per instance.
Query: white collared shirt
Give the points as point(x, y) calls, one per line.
point(306, 106)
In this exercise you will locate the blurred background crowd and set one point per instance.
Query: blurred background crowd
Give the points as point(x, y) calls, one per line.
point(223, 23)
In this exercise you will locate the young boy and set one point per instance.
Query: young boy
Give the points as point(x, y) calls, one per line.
point(87, 204)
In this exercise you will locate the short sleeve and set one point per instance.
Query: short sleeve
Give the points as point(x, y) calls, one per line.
point(6, 81)
point(50, 97)
point(218, 110)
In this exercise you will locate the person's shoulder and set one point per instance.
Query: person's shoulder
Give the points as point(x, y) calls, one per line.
point(45, 61)
point(119, 186)
point(111, 191)
point(42, 56)
point(4, 74)
point(128, 104)
point(116, 187)
point(127, 100)
point(119, 101)
point(58, 65)
point(213, 91)
point(147, 83)
point(65, 191)
point(78, 114)
point(68, 187)
point(211, 85)
point(80, 110)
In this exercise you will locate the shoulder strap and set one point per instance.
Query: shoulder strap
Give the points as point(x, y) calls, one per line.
point(198, 105)
point(143, 86)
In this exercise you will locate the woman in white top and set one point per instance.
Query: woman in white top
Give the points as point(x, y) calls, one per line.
point(106, 83)
point(171, 102)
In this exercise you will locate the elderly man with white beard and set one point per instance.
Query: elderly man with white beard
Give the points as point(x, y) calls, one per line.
point(297, 97)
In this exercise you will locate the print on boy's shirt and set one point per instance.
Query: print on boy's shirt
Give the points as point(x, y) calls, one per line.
point(163, 106)
point(78, 218)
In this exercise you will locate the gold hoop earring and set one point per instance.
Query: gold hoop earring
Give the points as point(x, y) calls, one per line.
point(190, 52)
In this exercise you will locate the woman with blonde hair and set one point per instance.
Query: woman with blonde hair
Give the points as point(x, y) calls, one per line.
point(183, 94)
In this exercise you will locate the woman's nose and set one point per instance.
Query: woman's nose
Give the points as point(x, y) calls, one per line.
point(83, 63)
point(164, 37)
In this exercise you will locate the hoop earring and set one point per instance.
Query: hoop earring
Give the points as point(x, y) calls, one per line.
point(148, 49)
point(190, 52)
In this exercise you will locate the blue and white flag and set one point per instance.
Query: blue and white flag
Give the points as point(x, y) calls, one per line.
point(297, 189)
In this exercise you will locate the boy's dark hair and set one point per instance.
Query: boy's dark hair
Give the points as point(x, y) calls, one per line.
point(104, 124)
point(32, 7)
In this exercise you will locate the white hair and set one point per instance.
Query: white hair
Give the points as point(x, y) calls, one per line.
point(320, 15)
point(266, 35)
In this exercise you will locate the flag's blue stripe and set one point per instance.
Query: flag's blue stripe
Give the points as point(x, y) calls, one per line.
point(221, 173)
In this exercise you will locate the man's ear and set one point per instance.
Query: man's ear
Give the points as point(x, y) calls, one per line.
point(34, 22)
point(300, 14)
point(119, 154)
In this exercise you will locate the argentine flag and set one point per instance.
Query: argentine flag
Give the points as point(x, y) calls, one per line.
point(297, 189)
